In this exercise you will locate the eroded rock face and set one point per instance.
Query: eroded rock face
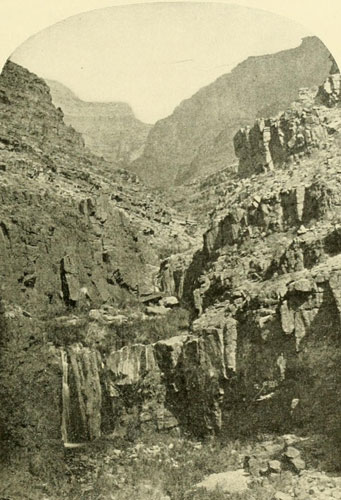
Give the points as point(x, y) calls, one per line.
point(296, 133)
point(263, 290)
point(77, 230)
point(76, 233)
point(273, 142)
point(253, 361)
point(270, 262)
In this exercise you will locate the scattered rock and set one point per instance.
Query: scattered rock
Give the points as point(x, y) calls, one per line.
point(292, 453)
point(298, 464)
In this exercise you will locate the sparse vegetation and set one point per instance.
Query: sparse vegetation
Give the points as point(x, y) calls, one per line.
point(160, 467)
point(152, 329)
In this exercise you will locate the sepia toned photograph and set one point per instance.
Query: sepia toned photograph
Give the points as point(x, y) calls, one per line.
point(170, 257)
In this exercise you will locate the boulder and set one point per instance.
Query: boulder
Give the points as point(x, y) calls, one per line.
point(275, 466)
point(236, 481)
point(169, 302)
point(157, 310)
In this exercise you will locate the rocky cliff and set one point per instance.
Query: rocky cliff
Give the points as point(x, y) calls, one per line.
point(75, 233)
point(197, 137)
point(292, 135)
point(263, 351)
point(109, 129)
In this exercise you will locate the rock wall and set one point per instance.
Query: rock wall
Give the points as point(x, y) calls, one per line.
point(75, 233)
point(263, 350)
point(76, 230)
point(273, 142)
point(273, 364)
point(270, 265)
point(59, 252)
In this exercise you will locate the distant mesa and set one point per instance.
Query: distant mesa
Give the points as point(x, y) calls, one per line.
point(109, 129)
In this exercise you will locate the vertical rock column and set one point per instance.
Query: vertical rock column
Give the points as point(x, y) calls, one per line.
point(81, 394)
point(65, 397)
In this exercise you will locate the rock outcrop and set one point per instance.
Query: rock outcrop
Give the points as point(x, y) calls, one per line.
point(76, 229)
point(273, 142)
point(270, 262)
point(263, 351)
point(253, 355)
point(329, 92)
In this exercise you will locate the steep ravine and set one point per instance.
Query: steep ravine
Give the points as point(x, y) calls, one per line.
point(117, 321)
point(264, 349)
point(76, 233)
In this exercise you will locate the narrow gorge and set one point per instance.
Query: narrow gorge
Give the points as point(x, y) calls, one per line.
point(212, 318)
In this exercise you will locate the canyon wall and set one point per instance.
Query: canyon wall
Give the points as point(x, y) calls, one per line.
point(81, 242)
point(197, 138)
point(75, 233)
point(289, 137)
point(109, 129)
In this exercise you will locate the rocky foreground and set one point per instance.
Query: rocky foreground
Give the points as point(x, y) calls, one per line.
point(126, 337)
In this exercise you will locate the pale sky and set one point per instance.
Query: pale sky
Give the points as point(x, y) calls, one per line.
point(153, 56)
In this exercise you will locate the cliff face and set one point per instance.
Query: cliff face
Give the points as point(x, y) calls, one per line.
point(197, 137)
point(109, 129)
point(294, 134)
point(79, 241)
point(75, 222)
point(74, 234)
point(264, 348)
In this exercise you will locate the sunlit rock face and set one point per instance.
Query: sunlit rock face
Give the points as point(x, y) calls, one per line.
point(276, 141)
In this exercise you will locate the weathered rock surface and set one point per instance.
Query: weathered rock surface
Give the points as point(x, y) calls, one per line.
point(270, 262)
point(263, 350)
point(296, 133)
point(76, 233)
point(76, 230)
point(229, 482)
point(329, 92)
point(275, 141)
point(264, 292)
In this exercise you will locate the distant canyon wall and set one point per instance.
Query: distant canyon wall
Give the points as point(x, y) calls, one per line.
point(197, 139)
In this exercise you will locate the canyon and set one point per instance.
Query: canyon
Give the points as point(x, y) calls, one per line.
point(212, 311)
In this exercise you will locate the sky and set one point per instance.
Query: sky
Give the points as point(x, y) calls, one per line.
point(153, 56)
